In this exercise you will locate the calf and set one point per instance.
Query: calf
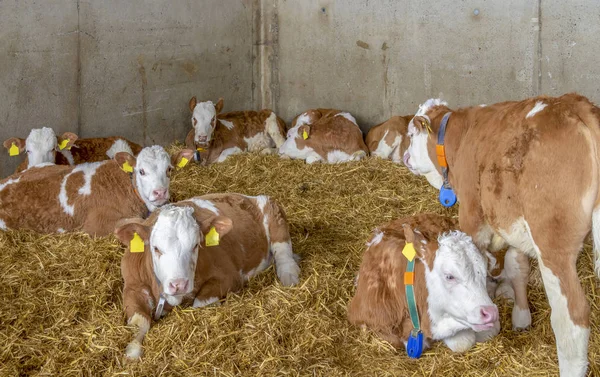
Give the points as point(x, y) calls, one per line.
point(449, 282)
point(388, 140)
point(90, 197)
point(501, 161)
point(42, 146)
point(324, 135)
point(198, 250)
point(217, 136)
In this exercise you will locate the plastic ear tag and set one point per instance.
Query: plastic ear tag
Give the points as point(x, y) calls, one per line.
point(304, 135)
point(212, 237)
point(200, 149)
point(126, 167)
point(136, 245)
point(414, 346)
point(409, 251)
point(63, 144)
point(447, 197)
point(14, 150)
point(182, 162)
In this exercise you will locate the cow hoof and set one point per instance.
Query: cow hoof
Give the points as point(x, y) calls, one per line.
point(133, 350)
point(288, 279)
point(269, 151)
point(285, 157)
point(521, 319)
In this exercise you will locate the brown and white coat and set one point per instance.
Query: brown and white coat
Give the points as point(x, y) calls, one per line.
point(388, 140)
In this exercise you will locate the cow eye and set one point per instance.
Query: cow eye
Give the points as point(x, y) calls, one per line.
point(158, 252)
point(142, 172)
point(449, 277)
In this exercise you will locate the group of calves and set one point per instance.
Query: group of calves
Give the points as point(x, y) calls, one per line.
point(500, 161)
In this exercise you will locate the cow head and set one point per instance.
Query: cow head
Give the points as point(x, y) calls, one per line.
point(173, 237)
point(204, 120)
point(294, 145)
point(151, 170)
point(41, 145)
point(456, 275)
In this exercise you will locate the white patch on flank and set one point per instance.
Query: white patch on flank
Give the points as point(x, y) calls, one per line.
point(347, 116)
point(336, 157)
point(68, 155)
point(206, 204)
point(287, 268)
point(539, 106)
point(483, 105)
point(229, 125)
point(228, 152)
point(9, 181)
point(596, 237)
point(272, 128)
point(203, 303)
point(258, 142)
point(3, 225)
point(119, 145)
point(261, 202)
point(376, 239)
point(258, 269)
point(40, 145)
point(60, 230)
point(88, 169)
point(519, 237)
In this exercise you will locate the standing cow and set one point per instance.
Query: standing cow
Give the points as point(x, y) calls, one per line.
point(529, 173)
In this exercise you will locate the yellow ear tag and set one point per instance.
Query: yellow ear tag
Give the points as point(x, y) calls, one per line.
point(409, 251)
point(14, 150)
point(212, 237)
point(63, 144)
point(304, 135)
point(200, 149)
point(182, 162)
point(136, 245)
point(126, 167)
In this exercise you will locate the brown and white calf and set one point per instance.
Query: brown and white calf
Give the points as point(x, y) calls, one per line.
point(176, 264)
point(217, 136)
point(388, 140)
point(503, 162)
point(449, 284)
point(90, 197)
point(324, 135)
point(44, 147)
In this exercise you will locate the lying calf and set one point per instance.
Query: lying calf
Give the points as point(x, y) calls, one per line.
point(90, 197)
point(389, 139)
point(197, 251)
point(324, 135)
point(43, 146)
point(449, 282)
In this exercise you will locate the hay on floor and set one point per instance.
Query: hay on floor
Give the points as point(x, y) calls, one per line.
point(61, 310)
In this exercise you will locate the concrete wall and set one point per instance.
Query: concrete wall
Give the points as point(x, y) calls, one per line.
point(129, 68)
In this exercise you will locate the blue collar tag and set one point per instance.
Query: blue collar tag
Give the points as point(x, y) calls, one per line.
point(414, 346)
point(447, 196)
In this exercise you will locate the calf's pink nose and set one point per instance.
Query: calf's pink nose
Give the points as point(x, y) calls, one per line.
point(489, 313)
point(160, 193)
point(178, 285)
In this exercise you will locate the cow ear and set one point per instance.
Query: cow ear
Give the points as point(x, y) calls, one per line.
point(182, 158)
point(18, 142)
point(422, 124)
point(219, 106)
point(420, 243)
point(304, 131)
point(66, 140)
point(221, 224)
point(126, 161)
point(192, 103)
point(127, 229)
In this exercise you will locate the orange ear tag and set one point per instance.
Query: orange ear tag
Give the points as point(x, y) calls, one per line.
point(182, 162)
point(409, 251)
point(63, 144)
point(212, 237)
point(304, 135)
point(14, 150)
point(126, 167)
point(136, 245)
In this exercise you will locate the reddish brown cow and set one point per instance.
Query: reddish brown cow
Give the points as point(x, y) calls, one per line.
point(389, 139)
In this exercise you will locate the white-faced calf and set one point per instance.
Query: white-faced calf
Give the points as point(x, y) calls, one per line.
point(90, 197)
point(324, 135)
point(198, 250)
point(216, 136)
point(42, 146)
point(449, 283)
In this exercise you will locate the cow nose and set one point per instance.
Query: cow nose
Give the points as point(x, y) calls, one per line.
point(178, 286)
point(202, 138)
point(160, 193)
point(489, 313)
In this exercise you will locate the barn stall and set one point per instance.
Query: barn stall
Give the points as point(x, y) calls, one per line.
point(107, 68)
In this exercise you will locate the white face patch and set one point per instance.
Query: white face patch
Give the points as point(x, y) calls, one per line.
point(174, 245)
point(290, 148)
point(204, 121)
point(456, 285)
point(40, 146)
point(88, 169)
point(539, 106)
point(151, 176)
point(119, 145)
point(347, 116)
point(302, 119)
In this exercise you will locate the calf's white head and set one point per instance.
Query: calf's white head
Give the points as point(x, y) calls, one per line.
point(455, 275)
point(173, 237)
point(295, 145)
point(204, 119)
point(41, 145)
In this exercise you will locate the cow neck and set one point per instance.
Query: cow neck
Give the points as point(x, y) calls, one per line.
point(134, 184)
point(447, 196)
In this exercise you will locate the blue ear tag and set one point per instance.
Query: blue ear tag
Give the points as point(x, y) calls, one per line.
point(414, 347)
point(447, 196)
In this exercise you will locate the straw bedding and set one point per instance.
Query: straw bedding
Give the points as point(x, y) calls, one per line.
point(61, 309)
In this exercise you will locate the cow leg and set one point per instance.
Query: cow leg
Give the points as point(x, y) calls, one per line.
point(516, 267)
point(138, 314)
point(312, 159)
point(287, 268)
point(212, 291)
point(570, 312)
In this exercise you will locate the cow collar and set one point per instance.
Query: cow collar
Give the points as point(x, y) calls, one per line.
point(414, 346)
point(161, 299)
point(447, 196)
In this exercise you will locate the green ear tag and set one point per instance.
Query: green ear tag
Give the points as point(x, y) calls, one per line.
point(136, 245)
point(212, 237)
point(14, 150)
